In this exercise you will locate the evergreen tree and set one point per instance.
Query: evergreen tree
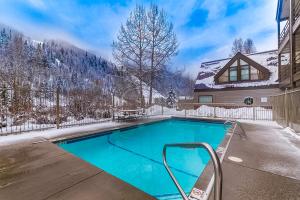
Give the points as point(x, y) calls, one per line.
point(171, 100)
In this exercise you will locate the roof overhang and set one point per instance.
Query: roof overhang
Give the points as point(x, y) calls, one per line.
point(283, 7)
point(237, 88)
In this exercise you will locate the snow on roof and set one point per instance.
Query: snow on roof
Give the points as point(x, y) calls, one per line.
point(185, 97)
point(208, 70)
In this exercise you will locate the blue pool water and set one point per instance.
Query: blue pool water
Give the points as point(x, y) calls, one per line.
point(135, 154)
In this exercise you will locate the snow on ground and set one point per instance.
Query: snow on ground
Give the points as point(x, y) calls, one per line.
point(292, 133)
point(156, 111)
point(146, 93)
point(216, 112)
point(31, 124)
point(51, 133)
point(261, 122)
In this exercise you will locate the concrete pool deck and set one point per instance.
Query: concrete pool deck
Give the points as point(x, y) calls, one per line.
point(270, 167)
point(41, 170)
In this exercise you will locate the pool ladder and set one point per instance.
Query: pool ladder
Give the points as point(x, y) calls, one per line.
point(215, 160)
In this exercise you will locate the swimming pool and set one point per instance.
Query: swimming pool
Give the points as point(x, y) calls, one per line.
point(135, 154)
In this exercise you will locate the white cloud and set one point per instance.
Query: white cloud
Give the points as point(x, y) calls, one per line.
point(95, 26)
point(40, 4)
point(215, 8)
point(251, 22)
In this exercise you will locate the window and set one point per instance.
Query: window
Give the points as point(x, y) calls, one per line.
point(233, 73)
point(245, 72)
point(240, 71)
point(248, 101)
point(206, 99)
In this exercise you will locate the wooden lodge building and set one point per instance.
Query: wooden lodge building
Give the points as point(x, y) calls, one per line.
point(288, 22)
point(253, 78)
point(242, 80)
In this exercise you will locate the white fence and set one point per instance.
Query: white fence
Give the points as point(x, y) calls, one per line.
point(227, 111)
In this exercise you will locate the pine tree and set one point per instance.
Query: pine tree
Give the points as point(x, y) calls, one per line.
point(171, 100)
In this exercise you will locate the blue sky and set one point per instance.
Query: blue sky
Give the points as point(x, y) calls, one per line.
point(205, 28)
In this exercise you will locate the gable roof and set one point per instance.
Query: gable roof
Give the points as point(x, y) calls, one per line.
point(266, 72)
point(268, 60)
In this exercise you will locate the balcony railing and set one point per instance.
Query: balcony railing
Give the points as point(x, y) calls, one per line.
point(297, 10)
point(284, 32)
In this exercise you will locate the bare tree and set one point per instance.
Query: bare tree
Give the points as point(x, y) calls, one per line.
point(162, 42)
point(130, 48)
point(237, 46)
point(249, 46)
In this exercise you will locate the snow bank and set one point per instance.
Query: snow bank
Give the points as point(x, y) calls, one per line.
point(257, 113)
point(292, 132)
point(51, 133)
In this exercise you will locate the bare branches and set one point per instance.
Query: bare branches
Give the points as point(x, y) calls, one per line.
point(145, 44)
point(239, 45)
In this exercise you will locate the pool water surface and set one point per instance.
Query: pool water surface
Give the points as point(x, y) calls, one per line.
point(134, 154)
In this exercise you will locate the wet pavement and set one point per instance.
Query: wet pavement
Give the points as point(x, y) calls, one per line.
point(270, 167)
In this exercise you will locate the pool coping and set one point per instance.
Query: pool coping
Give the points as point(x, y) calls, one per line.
point(205, 180)
point(104, 131)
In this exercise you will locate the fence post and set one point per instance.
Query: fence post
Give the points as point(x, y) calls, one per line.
point(57, 108)
point(254, 113)
point(215, 114)
point(285, 108)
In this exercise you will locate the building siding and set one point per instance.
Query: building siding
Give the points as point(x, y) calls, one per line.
point(237, 96)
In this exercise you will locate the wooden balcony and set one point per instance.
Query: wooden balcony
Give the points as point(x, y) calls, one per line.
point(284, 35)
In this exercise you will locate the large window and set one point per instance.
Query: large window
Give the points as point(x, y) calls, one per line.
point(245, 72)
point(240, 71)
point(205, 99)
point(233, 73)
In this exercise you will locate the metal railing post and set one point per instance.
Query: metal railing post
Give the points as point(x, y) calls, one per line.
point(285, 109)
point(218, 176)
point(57, 109)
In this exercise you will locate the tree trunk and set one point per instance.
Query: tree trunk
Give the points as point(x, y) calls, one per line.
point(141, 93)
point(152, 71)
point(150, 92)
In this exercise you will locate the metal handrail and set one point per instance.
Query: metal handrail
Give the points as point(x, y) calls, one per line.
point(218, 177)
